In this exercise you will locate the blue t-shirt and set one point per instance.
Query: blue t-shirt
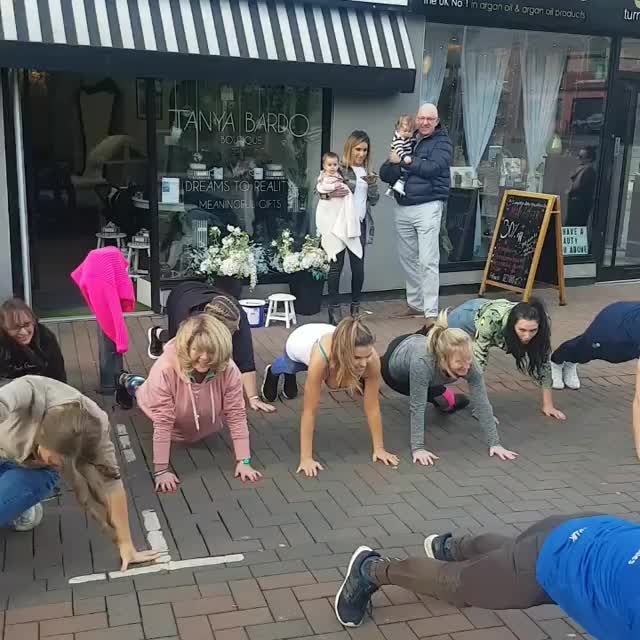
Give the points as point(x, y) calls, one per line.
point(591, 568)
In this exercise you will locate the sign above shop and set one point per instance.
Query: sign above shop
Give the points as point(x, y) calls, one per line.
point(597, 16)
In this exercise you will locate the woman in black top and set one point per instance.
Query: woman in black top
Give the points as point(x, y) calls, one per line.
point(26, 346)
point(189, 298)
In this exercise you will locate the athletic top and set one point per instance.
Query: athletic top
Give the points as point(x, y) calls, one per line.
point(591, 568)
point(301, 342)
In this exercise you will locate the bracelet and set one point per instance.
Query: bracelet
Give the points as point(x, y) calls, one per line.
point(246, 461)
point(159, 473)
point(254, 398)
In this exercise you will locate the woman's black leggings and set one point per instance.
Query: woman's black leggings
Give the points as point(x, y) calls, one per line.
point(604, 339)
point(357, 271)
point(489, 571)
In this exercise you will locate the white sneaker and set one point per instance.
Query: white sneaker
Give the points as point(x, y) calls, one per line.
point(28, 520)
point(428, 546)
point(556, 376)
point(570, 375)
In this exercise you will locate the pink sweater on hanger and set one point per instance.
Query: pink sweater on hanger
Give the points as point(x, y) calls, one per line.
point(106, 286)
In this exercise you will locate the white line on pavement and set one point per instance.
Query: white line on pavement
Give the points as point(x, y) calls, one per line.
point(125, 443)
point(158, 567)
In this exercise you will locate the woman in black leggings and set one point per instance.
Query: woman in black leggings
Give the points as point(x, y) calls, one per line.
point(612, 336)
point(588, 564)
point(364, 186)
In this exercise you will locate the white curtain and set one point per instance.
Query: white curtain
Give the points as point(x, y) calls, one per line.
point(484, 62)
point(434, 62)
point(542, 61)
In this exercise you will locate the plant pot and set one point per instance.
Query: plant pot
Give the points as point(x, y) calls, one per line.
point(308, 293)
point(232, 286)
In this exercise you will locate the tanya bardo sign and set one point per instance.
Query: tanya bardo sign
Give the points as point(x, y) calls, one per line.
point(613, 16)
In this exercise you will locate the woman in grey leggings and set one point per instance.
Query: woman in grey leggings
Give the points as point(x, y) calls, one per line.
point(588, 564)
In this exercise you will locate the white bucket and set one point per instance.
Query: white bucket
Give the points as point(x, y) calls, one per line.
point(254, 309)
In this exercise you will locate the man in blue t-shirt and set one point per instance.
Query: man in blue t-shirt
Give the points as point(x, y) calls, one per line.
point(588, 564)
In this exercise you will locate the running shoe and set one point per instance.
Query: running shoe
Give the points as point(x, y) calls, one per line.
point(354, 596)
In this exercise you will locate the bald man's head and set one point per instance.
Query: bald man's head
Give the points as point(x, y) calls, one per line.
point(427, 119)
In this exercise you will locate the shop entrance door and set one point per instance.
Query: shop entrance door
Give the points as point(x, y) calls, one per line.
point(621, 255)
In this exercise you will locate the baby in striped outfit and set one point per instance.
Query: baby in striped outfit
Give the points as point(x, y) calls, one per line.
point(403, 142)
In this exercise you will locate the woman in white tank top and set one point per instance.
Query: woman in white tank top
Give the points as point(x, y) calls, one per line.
point(342, 357)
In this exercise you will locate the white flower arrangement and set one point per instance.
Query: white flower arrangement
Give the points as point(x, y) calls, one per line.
point(311, 257)
point(232, 256)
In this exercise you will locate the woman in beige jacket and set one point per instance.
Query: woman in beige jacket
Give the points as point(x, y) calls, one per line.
point(48, 429)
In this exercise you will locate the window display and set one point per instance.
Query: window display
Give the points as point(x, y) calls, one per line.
point(243, 156)
point(526, 113)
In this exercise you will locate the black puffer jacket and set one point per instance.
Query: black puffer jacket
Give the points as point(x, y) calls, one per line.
point(429, 176)
point(42, 357)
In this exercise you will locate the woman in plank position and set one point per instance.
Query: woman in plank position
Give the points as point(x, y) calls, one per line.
point(413, 364)
point(521, 329)
point(612, 336)
point(344, 359)
point(193, 391)
point(588, 564)
point(48, 430)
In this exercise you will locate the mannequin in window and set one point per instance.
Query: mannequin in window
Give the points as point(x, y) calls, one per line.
point(582, 189)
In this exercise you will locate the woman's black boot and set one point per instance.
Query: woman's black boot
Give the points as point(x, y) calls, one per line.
point(335, 314)
point(355, 309)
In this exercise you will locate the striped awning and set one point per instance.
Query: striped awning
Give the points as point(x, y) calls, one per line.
point(217, 31)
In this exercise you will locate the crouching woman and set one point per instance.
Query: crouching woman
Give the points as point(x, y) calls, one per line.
point(47, 430)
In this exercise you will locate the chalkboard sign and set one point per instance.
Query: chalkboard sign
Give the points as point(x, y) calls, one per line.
point(526, 245)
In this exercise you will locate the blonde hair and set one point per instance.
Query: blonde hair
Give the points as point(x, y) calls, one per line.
point(76, 435)
point(407, 120)
point(350, 334)
point(205, 335)
point(443, 342)
point(226, 310)
point(354, 140)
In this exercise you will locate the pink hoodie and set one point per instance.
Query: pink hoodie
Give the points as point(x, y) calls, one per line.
point(185, 411)
point(106, 286)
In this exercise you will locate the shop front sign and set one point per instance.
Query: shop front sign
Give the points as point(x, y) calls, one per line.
point(597, 16)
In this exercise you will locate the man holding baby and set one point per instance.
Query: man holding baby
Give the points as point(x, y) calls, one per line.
point(424, 177)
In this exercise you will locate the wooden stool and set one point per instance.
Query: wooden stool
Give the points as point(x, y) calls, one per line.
point(288, 316)
point(133, 257)
point(118, 238)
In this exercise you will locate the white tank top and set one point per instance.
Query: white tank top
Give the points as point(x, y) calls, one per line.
point(301, 342)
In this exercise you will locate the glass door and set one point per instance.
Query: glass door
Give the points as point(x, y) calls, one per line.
point(621, 257)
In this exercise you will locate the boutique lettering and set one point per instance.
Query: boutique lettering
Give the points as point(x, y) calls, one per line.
point(248, 127)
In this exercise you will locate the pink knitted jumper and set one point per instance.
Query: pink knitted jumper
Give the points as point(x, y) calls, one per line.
point(106, 286)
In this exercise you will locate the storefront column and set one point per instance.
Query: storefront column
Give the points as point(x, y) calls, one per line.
point(21, 185)
point(152, 187)
point(6, 283)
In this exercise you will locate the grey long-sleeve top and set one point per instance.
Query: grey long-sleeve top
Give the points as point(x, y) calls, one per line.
point(412, 363)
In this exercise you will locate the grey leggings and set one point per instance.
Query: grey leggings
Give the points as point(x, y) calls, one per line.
point(490, 571)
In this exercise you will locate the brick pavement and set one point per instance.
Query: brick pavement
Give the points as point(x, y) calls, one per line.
point(296, 534)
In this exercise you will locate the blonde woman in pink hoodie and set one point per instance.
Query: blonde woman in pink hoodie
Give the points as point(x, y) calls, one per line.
point(191, 388)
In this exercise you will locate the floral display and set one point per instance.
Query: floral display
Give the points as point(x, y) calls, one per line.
point(232, 256)
point(311, 257)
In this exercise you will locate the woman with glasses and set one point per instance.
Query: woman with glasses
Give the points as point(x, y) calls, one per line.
point(26, 346)
point(192, 391)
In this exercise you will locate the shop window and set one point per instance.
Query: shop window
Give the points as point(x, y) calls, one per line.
point(630, 55)
point(525, 110)
point(245, 156)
